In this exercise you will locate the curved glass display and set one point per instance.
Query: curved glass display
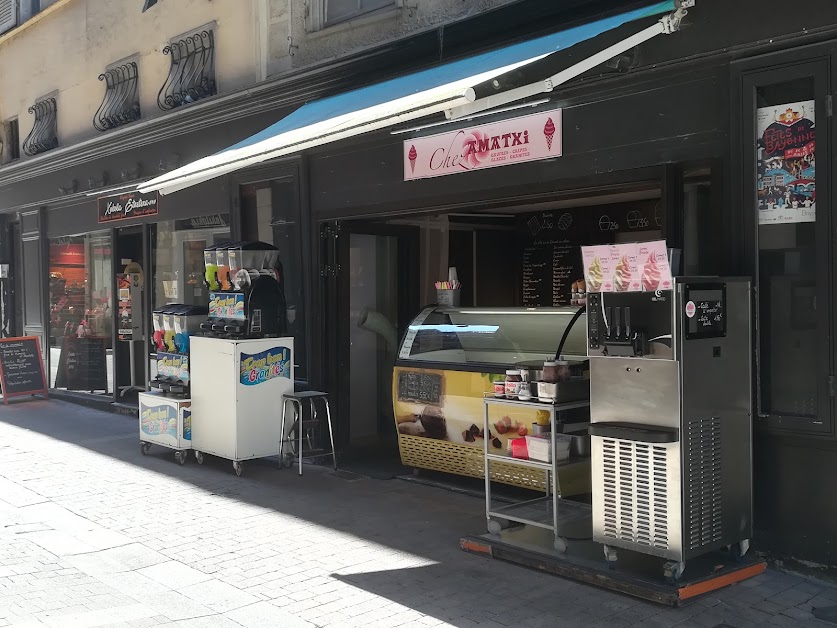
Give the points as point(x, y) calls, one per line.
point(494, 336)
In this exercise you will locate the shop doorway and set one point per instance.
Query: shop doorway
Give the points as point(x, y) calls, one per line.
point(381, 263)
point(130, 257)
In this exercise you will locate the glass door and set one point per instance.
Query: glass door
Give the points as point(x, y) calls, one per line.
point(787, 210)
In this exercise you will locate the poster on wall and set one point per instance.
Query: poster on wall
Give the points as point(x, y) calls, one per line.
point(786, 151)
point(630, 267)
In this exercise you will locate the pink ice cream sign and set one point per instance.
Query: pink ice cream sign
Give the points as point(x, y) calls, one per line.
point(516, 140)
point(633, 267)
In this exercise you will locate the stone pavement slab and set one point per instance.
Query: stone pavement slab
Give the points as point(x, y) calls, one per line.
point(94, 534)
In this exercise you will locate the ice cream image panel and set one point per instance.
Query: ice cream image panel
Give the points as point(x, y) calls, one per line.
point(622, 275)
point(412, 156)
point(595, 276)
point(549, 132)
point(651, 274)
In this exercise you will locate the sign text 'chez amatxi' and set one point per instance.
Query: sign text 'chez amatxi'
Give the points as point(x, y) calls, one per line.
point(127, 206)
point(528, 138)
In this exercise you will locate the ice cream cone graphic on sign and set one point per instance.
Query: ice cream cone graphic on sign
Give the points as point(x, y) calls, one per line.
point(549, 131)
point(412, 155)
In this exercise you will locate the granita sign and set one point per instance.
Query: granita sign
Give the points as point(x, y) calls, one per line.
point(516, 140)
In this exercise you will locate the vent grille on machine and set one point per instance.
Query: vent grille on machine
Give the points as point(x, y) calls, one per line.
point(704, 493)
point(635, 492)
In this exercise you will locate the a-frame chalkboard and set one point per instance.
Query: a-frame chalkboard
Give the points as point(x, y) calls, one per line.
point(21, 368)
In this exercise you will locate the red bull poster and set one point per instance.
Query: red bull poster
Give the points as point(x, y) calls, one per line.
point(517, 140)
point(786, 161)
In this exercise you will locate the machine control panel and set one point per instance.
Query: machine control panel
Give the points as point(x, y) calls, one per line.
point(623, 324)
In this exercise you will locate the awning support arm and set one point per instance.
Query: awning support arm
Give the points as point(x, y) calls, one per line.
point(667, 25)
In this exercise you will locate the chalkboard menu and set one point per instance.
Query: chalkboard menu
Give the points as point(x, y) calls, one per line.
point(552, 243)
point(21, 368)
point(420, 387)
point(705, 311)
point(82, 364)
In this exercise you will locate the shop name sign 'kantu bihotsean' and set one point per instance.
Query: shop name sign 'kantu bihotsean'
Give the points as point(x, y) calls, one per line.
point(127, 206)
point(517, 140)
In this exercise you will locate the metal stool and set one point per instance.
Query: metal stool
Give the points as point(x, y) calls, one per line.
point(305, 428)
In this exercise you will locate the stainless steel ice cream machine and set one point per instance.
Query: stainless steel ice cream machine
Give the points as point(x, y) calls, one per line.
point(671, 424)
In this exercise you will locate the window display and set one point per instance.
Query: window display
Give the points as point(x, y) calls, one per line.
point(80, 303)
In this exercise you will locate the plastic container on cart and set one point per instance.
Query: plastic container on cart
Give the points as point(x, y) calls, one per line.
point(167, 422)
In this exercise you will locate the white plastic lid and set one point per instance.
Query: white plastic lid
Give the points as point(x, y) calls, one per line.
point(512, 372)
point(550, 363)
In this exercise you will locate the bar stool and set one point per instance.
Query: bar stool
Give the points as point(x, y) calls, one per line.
point(307, 430)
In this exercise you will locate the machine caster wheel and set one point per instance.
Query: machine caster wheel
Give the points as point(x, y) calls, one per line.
point(739, 550)
point(673, 571)
point(611, 557)
point(199, 457)
point(144, 447)
point(560, 545)
point(287, 460)
point(180, 456)
point(237, 468)
point(495, 526)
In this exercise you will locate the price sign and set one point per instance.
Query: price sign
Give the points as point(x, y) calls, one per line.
point(705, 311)
point(21, 368)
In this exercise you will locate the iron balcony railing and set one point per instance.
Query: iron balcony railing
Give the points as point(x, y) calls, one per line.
point(121, 102)
point(44, 133)
point(192, 73)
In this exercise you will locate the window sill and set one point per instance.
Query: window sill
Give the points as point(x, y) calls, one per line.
point(375, 17)
point(17, 30)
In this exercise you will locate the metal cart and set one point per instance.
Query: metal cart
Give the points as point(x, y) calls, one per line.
point(543, 512)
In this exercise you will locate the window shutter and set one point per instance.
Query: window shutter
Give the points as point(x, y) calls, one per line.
point(8, 15)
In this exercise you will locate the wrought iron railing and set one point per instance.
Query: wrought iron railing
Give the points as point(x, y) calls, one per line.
point(44, 133)
point(192, 73)
point(121, 102)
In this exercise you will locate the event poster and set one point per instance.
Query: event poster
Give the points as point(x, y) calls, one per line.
point(786, 151)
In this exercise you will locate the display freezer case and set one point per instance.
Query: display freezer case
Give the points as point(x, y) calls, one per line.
point(450, 358)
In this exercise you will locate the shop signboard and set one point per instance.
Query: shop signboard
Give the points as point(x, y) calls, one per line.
point(82, 364)
point(786, 164)
point(631, 267)
point(516, 140)
point(131, 205)
point(21, 368)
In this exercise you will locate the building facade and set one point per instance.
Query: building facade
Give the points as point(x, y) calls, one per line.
point(677, 129)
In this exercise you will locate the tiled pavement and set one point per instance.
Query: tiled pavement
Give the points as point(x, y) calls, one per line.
point(94, 534)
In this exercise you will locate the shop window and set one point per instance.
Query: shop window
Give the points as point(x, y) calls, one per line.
point(270, 213)
point(177, 264)
point(81, 312)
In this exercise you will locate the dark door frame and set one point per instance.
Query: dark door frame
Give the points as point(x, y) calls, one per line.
point(747, 76)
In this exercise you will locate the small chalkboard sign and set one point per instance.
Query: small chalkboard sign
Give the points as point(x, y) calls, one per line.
point(420, 387)
point(705, 311)
point(82, 364)
point(21, 368)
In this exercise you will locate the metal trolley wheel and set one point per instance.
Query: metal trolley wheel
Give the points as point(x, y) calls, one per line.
point(181, 457)
point(144, 447)
point(673, 571)
point(237, 467)
point(199, 457)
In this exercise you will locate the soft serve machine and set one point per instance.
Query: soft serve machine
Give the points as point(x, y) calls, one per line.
point(241, 364)
point(671, 434)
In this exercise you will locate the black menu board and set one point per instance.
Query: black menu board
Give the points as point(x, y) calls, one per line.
point(21, 367)
point(705, 311)
point(82, 364)
point(420, 387)
point(552, 242)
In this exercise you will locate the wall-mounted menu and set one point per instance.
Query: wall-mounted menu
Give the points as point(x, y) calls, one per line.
point(21, 367)
point(552, 243)
point(82, 364)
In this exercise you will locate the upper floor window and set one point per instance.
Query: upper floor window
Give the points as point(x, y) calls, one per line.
point(192, 72)
point(16, 12)
point(44, 133)
point(8, 14)
point(121, 101)
point(9, 141)
point(323, 13)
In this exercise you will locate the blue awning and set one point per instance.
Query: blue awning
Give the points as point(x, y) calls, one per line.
point(384, 104)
